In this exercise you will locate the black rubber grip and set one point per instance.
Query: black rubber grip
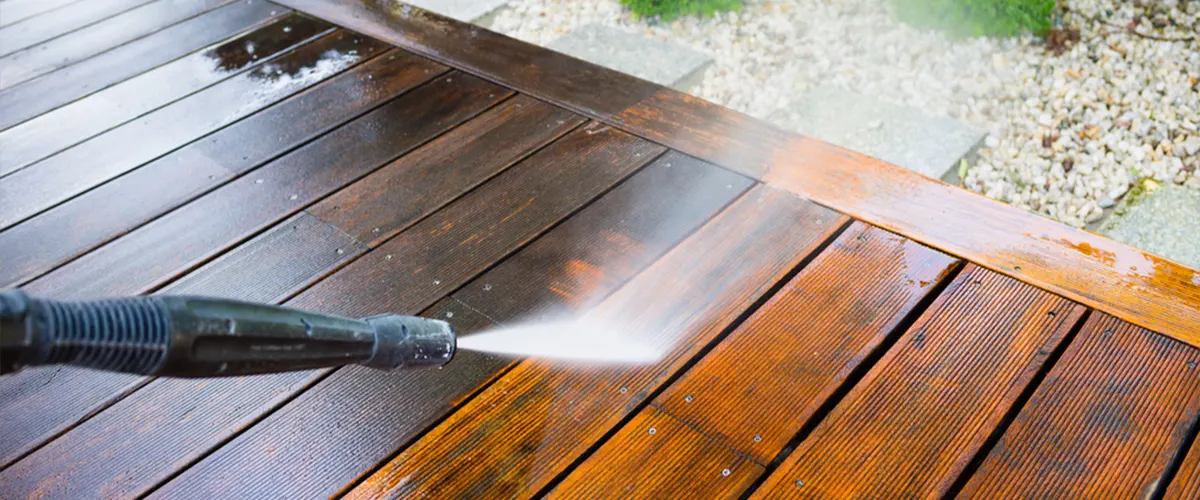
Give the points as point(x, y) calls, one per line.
point(127, 335)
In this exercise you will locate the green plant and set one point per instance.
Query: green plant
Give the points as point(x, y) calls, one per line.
point(670, 9)
point(966, 18)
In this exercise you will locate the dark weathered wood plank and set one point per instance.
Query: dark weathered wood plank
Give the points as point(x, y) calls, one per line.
point(83, 43)
point(66, 231)
point(76, 122)
point(592, 90)
point(765, 382)
point(44, 184)
point(532, 423)
point(912, 424)
point(42, 28)
point(159, 251)
point(14, 11)
point(587, 256)
point(657, 456)
point(502, 216)
point(44, 93)
point(1110, 416)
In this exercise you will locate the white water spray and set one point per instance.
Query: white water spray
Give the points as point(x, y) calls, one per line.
point(565, 340)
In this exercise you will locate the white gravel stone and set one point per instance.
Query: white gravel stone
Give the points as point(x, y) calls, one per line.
point(1066, 131)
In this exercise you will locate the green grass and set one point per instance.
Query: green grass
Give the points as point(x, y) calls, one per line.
point(970, 18)
point(671, 9)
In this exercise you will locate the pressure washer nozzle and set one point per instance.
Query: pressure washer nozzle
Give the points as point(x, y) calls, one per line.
point(409, 341)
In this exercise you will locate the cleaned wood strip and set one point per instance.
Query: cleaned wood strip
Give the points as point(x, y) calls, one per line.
point(912, 424)
point(1105, 423)
point(157, 252)
point(86, 42)
point(42, 185)
point(42, 28)
point(532, 423)
point(578, 85)
point(69, 125)
point(588, 256)
point(14, 11)
point(658, 456)
point(54, 89)
point(381, 205)
point(764, 382)
point(1186, 484)
point(1090, 269)
point(501, 217)
point(66, 231)
point(1138, 287)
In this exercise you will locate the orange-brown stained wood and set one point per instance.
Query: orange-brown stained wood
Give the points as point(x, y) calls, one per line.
point(532, 423)
point(764, 382)
point(317, 446)
point(1186, 484)
point(657, 456)
point(1105, 423)
point(915, 420)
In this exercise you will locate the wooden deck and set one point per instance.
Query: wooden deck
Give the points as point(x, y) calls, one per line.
point(835, 327)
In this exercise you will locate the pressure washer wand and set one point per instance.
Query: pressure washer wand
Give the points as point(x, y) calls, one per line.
point(181, 336)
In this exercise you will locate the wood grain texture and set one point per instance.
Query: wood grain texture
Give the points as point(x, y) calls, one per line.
point(1106, 421)
point(66, 231)
point(1155, 293)
point(182, 239)
point(1186, 484)
point(658, 456)
point(381, 205)
point(39, 29)
point(44, 184)
point(14, 11)
point(152, 255)
point(83, 43)
point(44, 93)
point(78, 121)
point(580, 86)
point(1138, 287)
point(315, 446)
point(532, 423)
point(516, 210)
point(915, 420)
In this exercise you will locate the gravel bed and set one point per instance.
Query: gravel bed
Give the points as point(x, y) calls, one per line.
point(1069, 133)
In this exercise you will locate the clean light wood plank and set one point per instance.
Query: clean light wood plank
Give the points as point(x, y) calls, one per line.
point(590, 254)
point(497, 221)
point(765, 382)
point(76, 122)
point(42, 28)
point(1136, 286)
point(83, 43)
point(157, 252)
point(69, 230)
point(657, 456)
point(532, 423)
point(64, 175)
point(912, 424)
point(1110, 416)
point(54, 89)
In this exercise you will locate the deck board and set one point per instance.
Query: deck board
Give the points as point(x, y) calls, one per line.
point(57, 88)
point(529, 426)
point(1186, 483)
point(39, 29)
point(19, 10)
point(615, 236)
point(912, 424)
point(1110, 416)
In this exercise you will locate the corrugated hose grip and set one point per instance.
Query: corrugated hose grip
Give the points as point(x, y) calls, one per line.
point(128, 335)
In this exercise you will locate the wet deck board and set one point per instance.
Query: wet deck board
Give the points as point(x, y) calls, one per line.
point(464, 175)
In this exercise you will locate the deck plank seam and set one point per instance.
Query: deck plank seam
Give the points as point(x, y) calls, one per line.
point(68, 4)
point(695, 358)
point(235, 174)
point(858, 373)
point(65, 33)
point(956, 486)
point(1177, 459)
